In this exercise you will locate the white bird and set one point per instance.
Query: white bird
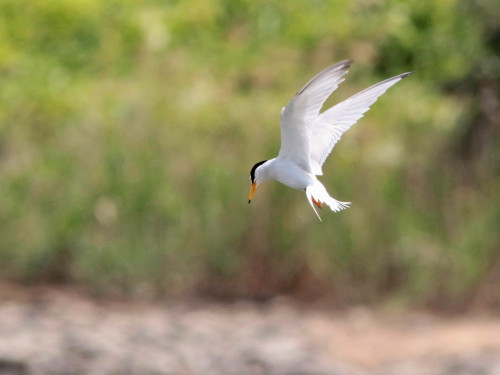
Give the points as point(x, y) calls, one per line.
point(308, 136)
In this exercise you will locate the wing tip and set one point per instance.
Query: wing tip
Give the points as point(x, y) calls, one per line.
point(391, 80)
point(344, 63)
point(341, 66)
point(395, 78)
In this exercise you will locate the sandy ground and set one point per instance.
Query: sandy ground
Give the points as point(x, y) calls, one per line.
point(53, 332)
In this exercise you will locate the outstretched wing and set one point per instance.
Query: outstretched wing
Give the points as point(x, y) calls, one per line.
point(332, 123)
point(301, 112)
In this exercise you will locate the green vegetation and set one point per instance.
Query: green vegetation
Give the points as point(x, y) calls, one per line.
point(127, 131)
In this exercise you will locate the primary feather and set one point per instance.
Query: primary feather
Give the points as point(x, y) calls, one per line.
point(300, 114)
point(331, 124)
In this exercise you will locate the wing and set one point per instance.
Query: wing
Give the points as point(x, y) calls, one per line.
point(301, 112)
point(332, 123)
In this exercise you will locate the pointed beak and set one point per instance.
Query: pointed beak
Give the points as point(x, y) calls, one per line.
point(252, 191)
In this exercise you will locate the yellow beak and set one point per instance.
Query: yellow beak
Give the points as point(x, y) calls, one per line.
point(252, 191)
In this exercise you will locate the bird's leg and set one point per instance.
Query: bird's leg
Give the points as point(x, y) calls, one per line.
point(317, 203)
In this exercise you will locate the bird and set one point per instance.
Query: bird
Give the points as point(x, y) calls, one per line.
point(308, 136)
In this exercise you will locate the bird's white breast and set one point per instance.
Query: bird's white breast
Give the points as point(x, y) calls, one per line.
point(290, 174)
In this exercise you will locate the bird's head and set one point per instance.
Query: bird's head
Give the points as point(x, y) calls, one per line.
point(254, 178)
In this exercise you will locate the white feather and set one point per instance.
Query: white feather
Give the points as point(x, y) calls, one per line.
point(300, 114)
point(307, 137)
point(331, 124)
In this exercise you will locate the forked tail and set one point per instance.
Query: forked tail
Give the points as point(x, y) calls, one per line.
point(318, 196)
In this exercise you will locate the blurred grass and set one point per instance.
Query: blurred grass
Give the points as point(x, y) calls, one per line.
point(127, 130)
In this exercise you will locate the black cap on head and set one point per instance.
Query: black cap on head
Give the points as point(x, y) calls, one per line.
point(252, 171)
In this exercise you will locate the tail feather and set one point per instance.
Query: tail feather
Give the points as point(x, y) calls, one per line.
point(317, 194)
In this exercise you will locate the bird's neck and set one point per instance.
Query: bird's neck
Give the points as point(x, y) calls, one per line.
point(265, 170)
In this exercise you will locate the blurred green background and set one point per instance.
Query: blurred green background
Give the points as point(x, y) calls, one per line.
point(128, 129)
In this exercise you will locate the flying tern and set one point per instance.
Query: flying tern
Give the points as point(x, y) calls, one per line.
point(308, 136)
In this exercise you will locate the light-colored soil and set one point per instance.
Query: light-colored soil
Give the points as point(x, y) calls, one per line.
point(51, 332)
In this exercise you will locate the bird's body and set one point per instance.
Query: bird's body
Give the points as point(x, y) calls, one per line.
point(286, 172)
point(307, 137)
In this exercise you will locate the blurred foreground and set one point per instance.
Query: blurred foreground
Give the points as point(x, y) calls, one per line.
point(51, 332)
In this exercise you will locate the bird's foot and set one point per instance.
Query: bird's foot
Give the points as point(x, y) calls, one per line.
point(317, 203)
